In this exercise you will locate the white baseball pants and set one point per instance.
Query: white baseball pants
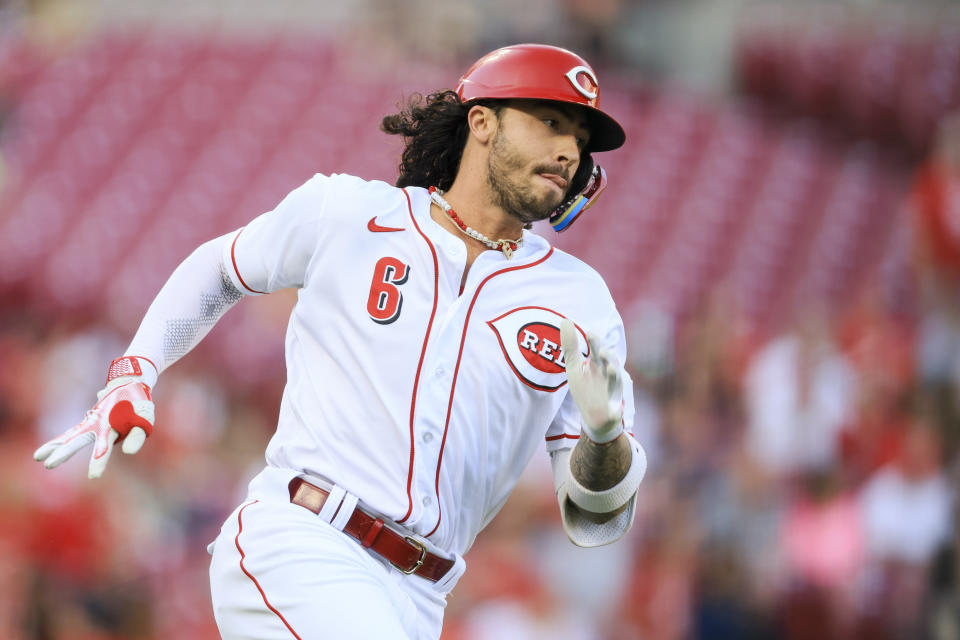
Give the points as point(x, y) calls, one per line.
point(280, 572)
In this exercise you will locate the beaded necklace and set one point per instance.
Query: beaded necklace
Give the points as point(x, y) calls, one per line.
point(506, 246)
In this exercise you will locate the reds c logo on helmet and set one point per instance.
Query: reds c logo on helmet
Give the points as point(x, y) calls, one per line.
point(542, 72)
point(584, 81)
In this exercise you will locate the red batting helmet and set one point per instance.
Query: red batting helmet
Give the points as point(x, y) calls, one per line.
point(542, 72)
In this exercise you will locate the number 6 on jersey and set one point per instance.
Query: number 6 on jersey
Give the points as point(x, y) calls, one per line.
point(385, 299)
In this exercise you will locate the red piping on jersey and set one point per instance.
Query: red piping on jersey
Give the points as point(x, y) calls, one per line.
point(423, 352)
point(456, 370)
point(233, 257)
point(563, 435)
point(243, 557)
point(577, 437)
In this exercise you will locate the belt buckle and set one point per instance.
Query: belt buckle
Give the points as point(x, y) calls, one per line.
point(423, 556)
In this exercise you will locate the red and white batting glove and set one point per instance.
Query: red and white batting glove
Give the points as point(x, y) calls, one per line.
point(124, 412)
point(595, 384)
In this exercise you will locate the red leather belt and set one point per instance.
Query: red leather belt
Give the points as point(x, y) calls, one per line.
point(405, 553)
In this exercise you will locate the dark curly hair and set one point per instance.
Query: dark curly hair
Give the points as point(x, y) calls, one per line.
point(434, 128)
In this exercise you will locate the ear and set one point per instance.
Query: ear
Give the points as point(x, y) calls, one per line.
point(483, 123)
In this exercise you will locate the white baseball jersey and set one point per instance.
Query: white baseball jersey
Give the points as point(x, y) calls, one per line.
point(423, 399)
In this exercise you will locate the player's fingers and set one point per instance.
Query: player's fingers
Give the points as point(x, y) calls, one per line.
point(614, 385)
point(607, 363)
point(596, 349)
point(69, 436)
point(614, 380)
point(134, 440)
point(46, 449)
point(101, 454)
point(63, 451)
point(571, 345)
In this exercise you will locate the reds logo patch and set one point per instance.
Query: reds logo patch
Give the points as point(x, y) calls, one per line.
point(530, 340)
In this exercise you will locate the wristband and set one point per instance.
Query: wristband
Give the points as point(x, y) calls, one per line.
point(125, 366)
point(607, 436)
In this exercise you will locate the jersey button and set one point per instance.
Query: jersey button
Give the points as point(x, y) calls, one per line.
point(427, 500)
point(439, 372)
point(427, 437)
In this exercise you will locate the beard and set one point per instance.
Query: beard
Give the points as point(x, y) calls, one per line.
point(506, 168)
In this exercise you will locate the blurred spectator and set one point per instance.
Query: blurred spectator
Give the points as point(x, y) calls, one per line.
point(725, 605)
point(935, 207)
point(942, 603)
point(799, 393)
point(741, 569)
point(907, 517)
point(658, 599)
point(936, 202)
point(881, 348)
point(823, 546)
point(907, 504)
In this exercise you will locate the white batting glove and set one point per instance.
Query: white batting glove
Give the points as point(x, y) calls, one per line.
point(124, 412)
point(595, 384)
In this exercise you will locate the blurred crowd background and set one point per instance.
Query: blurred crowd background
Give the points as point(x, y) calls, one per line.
point(781, 233)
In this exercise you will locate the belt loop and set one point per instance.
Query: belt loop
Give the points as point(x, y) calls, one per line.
point(372, 534)
point(332, 504)
point(347, 507)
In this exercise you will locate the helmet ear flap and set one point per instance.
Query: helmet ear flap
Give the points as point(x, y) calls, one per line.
point(587, 184)
point(580, 178)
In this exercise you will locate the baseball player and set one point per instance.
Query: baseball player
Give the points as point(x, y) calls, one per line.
point(435, 345)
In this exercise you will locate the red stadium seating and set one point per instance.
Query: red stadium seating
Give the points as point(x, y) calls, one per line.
point(886, 74)
point(129, 152)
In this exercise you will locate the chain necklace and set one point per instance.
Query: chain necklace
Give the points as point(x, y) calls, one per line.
point(506, 246)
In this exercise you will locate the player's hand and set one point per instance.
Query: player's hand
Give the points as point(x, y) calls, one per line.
point(124, 412)
point(595, 384)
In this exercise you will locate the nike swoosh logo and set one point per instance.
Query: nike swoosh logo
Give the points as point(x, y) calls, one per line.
point(373, 226)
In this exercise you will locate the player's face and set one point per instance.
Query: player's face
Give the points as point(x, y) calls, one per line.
point(533, 157)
